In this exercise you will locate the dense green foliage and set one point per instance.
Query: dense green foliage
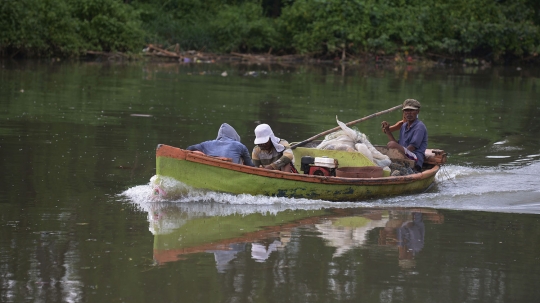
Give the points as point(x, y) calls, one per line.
point(492, 30)
point(213, 25)
point(477, 27)
point(68, 27)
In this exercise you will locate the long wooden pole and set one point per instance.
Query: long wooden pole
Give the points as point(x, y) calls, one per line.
point(348, 124)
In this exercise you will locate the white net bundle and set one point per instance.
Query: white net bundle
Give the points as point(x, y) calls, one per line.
point(351, 140)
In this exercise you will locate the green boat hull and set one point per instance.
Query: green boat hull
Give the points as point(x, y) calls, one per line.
point(219, 176)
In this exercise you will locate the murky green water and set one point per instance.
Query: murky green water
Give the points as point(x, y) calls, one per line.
point(78, 222)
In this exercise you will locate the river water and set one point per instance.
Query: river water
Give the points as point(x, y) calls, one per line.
point(79, 221)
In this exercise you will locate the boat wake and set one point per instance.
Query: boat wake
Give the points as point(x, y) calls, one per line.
point(483, 189)
point(455, 187)
point(162, 191)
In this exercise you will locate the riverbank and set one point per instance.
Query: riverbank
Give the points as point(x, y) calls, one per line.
point(174, 54)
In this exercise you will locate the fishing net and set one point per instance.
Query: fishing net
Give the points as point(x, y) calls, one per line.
point(351, 140)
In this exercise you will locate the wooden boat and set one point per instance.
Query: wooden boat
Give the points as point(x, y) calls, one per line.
point(199, 171)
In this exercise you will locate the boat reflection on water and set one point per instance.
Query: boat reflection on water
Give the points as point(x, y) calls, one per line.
point(181, 229)
point(403, 229)
point(185, 228)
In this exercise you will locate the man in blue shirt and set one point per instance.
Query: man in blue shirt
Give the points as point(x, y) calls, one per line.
point(412, 134)
point(226, 145)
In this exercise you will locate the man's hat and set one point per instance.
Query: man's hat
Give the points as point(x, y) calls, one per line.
point(263, 133)
point(411, 104)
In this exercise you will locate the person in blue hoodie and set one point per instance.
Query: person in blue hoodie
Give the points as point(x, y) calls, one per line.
point(226, 145)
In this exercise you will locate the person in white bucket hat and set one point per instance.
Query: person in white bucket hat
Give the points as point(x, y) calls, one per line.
point(271, 152)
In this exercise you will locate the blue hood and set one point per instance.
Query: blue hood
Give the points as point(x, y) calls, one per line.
point(227, 131)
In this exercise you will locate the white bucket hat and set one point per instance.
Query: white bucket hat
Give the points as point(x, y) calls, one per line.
point(263, 133)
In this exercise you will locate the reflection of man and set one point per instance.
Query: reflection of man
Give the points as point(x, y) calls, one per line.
point(410, 237)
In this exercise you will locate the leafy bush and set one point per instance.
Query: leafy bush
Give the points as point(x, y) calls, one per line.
point(458, 27)
point(185, 22)
point(68, 27)
point(243, 27)
point(221, 26)
point(318, 26)
point(108, 25)
point(38, 27)
point(482, 27)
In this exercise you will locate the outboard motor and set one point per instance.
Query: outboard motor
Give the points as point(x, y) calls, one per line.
point(319, 166)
